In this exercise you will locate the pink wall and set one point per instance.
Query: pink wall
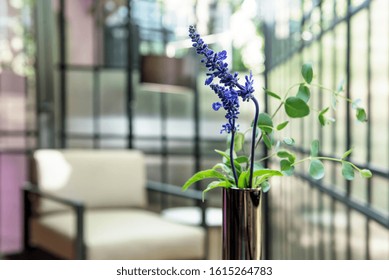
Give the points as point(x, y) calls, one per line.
point(12, 159)
point(12, 176)
point(12, 147)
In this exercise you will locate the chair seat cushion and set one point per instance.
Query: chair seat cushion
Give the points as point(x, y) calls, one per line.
point(128, 234)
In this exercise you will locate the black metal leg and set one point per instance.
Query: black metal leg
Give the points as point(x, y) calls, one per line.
point(80, 246)
point(26, 220)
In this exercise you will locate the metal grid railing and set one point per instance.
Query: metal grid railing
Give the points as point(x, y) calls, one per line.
point(333, 218)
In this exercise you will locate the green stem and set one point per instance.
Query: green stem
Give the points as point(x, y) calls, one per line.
point(269, 156)
point(283, 101)
point(332, 91)
point(278, 109)
point(326, 158)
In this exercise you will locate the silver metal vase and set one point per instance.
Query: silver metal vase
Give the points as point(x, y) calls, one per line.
point(242, 224)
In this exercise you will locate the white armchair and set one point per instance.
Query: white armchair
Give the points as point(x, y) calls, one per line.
point(92, 204)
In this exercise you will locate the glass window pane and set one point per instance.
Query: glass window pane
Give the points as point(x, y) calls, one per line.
point(72, 143)
point(180, 122)
point(358, 86)
point(340, 223)
point(379, 114)
point(380, 194)
point(358, 236)
point(379, 242)
point(79, 102)
point(340, 66)
point(327, 76)
point(113, 115)
point(147, 114)
point(113, 144)
point(179, 169)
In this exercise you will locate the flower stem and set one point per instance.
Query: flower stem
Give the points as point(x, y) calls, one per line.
point(232, 155)
point(253, 141)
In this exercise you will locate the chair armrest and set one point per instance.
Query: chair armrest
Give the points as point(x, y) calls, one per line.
point(30, 188)
point(77, 206)
point(174, 190)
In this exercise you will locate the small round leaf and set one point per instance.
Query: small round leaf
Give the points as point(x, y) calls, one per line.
point(365, 173)
point(322, 117)
point(304, 93)
point(239, 141)
point(315, 148)
point(286, 167)
point(316, 169)
point(296, 107)
point(361, 115)
point(282, 125)
point(289, 141)
point(267, 140)
point(265, 122)
point(347, 171)
point(307, 72)
point(347, 153)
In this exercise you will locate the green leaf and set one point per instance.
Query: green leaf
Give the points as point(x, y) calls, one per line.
point(239, 141)
point(260, 176)
point(347, 153)
point(286, 167)
point(265, 186)
point(347, 171)
point(223, 167)
point(267, 172)
point(227, 160)
point(226, 156)
point(265, 122)
point(267, 141)
point(243, 178)
point(303, 93)
point(282, 125)
point(296, 107)
point(286, 154)
point(272, 94)
point(365, 173)
point(258, 166)
point(314, 148)
point(241, 159)
point(214, 185)
point(288, 141)
point(316, 169)
point(361, 115)
point(322, 118)
point(201, 175)
point(307, 72)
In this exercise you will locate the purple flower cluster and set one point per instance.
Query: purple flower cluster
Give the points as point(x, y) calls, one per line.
point(228, 90)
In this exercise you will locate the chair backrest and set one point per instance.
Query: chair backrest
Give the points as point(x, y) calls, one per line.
point(99, 178)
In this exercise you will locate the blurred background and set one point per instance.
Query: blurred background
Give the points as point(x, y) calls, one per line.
point(118, 74)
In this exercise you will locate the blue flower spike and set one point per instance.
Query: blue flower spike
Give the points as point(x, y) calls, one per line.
point(228, 89)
